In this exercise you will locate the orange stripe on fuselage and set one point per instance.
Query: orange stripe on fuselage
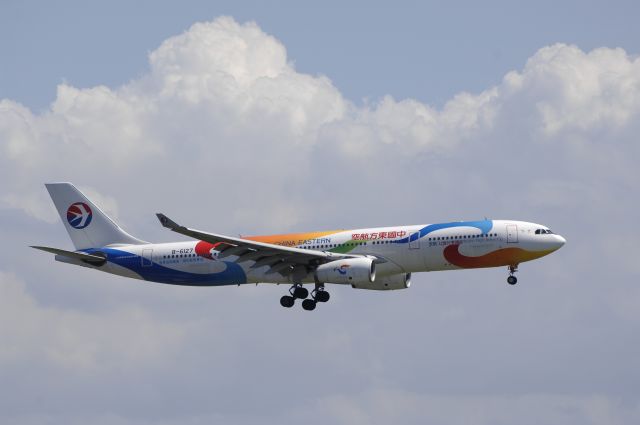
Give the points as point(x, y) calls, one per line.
point(291, 239)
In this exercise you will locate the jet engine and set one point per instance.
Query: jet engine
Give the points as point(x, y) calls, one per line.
point(387, 283)
point(351, 271)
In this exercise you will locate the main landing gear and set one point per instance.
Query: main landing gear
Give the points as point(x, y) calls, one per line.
point(512, 279)
point(318, 295)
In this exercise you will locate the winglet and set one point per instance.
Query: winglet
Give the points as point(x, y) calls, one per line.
point(167, 222)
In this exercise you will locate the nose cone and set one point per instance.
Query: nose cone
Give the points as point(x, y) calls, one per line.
point(558, 242)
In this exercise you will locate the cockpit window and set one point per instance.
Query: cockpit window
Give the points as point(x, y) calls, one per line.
point(543, 232)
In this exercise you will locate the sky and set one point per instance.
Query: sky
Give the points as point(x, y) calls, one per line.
point(257, 118)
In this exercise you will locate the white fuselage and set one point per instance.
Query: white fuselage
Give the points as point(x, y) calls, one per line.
point(400, 249)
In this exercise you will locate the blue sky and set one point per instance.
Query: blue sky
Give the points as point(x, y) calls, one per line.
point(322, 116)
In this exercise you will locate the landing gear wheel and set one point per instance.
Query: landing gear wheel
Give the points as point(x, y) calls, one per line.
point(322, 296)
point(309, 304)
point(512, 280)
point(319, 294)
point(287, 301)
point(300, 292)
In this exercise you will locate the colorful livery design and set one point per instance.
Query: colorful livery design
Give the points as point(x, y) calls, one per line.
point(377, 258)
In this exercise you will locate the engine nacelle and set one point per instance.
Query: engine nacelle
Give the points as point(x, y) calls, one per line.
point(351, 271)
point(387, 283)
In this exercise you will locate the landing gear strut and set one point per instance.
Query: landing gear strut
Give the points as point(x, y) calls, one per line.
point(299, 291)
point(318, 295)
point(512, 280)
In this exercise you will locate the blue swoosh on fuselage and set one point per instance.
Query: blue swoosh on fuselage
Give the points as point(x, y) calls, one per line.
point(484, 225)
point(232, 275)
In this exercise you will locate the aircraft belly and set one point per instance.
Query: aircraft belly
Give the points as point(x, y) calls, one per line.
point(262, 275)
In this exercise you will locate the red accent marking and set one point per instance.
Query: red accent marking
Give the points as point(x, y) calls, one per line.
point(500, 257)
point(203, 249)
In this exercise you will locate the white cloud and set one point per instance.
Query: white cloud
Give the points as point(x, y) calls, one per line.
point(580, 91)
point(221, 102)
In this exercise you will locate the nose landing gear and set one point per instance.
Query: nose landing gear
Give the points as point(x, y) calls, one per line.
point(318, 295)
point(512, 279)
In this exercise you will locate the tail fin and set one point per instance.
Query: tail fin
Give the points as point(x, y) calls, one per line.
point(86, 224)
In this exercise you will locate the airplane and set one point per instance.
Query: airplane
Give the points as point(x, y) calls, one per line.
point(381, 258)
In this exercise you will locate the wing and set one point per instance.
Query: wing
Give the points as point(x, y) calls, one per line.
point(280, 259)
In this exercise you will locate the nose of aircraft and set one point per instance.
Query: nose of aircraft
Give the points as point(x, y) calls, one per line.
point(558, 241)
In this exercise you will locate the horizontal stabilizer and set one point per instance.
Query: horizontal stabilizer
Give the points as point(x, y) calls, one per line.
point(95, 260)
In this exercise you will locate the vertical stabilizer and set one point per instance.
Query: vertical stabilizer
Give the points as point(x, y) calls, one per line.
point(87, 225)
